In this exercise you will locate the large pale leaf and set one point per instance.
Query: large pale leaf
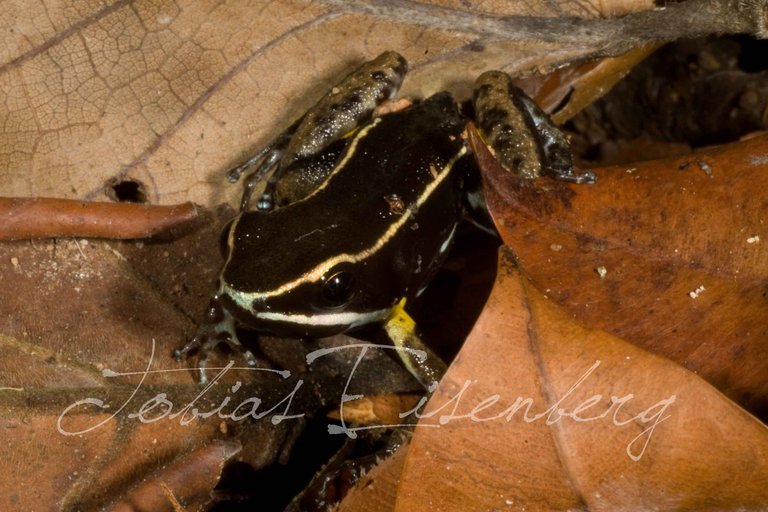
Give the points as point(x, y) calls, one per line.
point(173, 93)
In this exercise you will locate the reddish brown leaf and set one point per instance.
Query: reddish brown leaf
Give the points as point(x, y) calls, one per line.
point(568, 90)
point(679, 242)
point(89, 471)
point(377, 490)
point(541, 413)
point(72, 310)
point(188, 482)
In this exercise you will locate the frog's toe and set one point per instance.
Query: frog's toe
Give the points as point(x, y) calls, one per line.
point(586, 177)
point(266, 203)
point(181, 353)
point(206, 340)
point(233, 175)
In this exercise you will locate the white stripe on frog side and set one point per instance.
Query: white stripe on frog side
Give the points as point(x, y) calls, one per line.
point(343, 318)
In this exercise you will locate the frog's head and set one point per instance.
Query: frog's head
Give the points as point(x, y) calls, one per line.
point(290, 275)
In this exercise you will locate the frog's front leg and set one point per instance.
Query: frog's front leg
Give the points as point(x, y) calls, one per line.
point(524, 138)
point(347, 105)
point(218, 327)
point(401, 330)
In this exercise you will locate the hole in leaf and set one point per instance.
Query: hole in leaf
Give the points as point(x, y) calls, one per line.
point(126, 191)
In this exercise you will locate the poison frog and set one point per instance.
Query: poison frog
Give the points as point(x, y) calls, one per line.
point(359, 210)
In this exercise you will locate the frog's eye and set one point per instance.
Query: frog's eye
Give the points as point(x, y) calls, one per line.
point(338, 288)
point(224, 239)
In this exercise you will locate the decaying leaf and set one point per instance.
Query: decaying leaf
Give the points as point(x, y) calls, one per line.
point(665, 254)
point(541, 413)
point(81, 325)
point(84, 321)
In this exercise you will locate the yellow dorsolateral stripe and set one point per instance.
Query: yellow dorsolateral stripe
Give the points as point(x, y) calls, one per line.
point(349, 154)
point(244, 299)
point(358, 133)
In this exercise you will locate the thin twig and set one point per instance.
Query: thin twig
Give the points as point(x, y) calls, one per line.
point(25, 218)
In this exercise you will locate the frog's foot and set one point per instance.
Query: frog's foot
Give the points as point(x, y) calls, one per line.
point(234, 174)
point(557, 161)
point(586, 177)
point(262, 163)
point(266, 200)
point(218, 328)
point(525, 140)
point(269, 162)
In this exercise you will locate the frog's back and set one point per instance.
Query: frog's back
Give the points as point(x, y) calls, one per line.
point(390, 187)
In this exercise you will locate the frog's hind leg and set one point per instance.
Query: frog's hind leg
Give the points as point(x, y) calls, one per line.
point(524, 138)
point(339, 112)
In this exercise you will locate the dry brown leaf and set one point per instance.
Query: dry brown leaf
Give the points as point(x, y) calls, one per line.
point(74, 309)
point(679, 243)
point(189, 481)
point(377, 490)
point(580, 85)
point(540, 413)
